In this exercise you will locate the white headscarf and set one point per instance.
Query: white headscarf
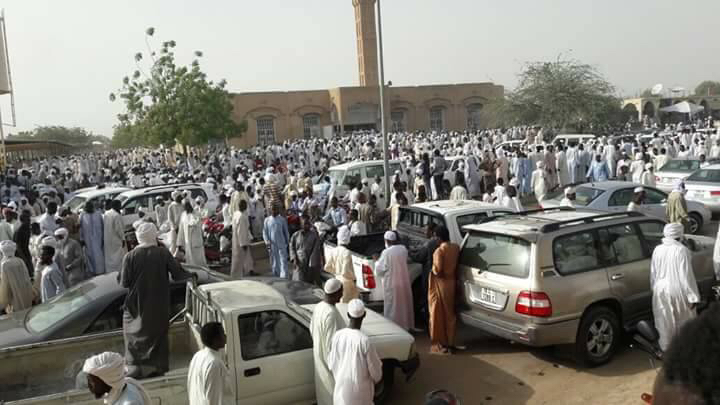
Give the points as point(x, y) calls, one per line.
point(343, 235)
point(7, 247)
point(109, 367)
point(673, 231)
point(146, 234)
point(679, 185)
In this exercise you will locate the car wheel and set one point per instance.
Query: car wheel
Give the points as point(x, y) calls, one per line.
point(385, 386)
point(695, 223)
point(597, 337)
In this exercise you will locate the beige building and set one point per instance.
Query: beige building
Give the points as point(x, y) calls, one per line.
point(278, 116)
point(648, 108)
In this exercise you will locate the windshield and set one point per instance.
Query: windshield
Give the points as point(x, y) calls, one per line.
point(121, 198)
point(336, 176)
point(681, 166)
point(706, 175)
point(495, 253)
point(44, 316)
point(76, 203)
point(584, 195)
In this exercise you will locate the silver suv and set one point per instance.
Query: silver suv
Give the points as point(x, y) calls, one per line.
point(564, 276)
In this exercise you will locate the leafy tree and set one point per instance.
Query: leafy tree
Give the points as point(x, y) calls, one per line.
point(173, 102)
point(560, 95)
point(708, 87)
point(73, 136)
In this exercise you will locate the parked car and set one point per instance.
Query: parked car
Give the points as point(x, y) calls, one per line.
point(614, 196)
point(704, 186)
point(675, 169)
point(573, 139)
point(347, 174)
point(454, 166)
point(96, 195)
point(269, 349)
point(564, 276)
point(93, 306)
point(144, 199)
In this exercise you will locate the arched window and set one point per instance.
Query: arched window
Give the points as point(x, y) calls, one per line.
point(397, 117)
point(474, 117)
point(266, 130)
point(437, 118)
point(311, 125)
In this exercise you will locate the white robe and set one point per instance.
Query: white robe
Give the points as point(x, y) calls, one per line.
point(16, 291)
point(356, 368)
point(326, 320)
point(636, 170)
point(537, 183)
point(458, 193)
point(566, 202)
point(673, 289)
point(206, 378)
point(562, 167)
point(190, 238)
point(114, 236)
point(716, 256)
point(241, 262)
point(392, 267)
point(512, 203)
point(647, 179)
point(175, 211)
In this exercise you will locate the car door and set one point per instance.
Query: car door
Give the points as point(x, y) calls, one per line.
point(620, 199)
point(656, 203)
point(277, 360)
point(628, 268)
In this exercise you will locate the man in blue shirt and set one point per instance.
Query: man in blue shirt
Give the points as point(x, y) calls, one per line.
point(335, 216)
point(598, 171)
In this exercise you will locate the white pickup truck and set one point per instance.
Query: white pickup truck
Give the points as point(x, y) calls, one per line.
point(412, 228)
point(269, 350)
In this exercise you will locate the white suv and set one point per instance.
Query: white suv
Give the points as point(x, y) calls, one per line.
point(144, 199)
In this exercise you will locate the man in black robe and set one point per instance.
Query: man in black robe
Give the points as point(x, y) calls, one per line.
point(147, 306)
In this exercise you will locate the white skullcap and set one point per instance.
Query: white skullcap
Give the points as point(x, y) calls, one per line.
point(61, 231)
point(648, 166)
point(332, 286)
point(356, 308)
point(639, 189)
point(678, 185)
point(673, 231)
point(569, 190)
point(108, 366)
point(343, 235)
point(7, 247)
point(146, 234)
point(391, 236)
point(49, 241)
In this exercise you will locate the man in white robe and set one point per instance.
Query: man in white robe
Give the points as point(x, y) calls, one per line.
point(562, 167)
point(326, 320)
point(190, 238)
point(354, 362)
point(106, 378)
point(569, 198)
point(207, 372)
point(241, 263)
point(114, 237)
point(16, 292)
point(91, 237)
point(392, 266)
point(175, 210)
point(675, 292)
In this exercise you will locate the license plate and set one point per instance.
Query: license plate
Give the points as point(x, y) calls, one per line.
point(488, 296)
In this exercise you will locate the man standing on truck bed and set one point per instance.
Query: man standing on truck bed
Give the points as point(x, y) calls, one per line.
point(392, 267)
point(147, 305)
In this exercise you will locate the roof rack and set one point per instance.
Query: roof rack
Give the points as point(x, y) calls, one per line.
point(523, 213)
point(588, 220)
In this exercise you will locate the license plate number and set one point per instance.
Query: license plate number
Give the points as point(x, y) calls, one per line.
point(488, 296)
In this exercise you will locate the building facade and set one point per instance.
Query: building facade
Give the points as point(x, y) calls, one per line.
point(648, 108)
point(275, 117)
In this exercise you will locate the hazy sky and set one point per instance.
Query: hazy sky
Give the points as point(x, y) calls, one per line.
point(67, 56)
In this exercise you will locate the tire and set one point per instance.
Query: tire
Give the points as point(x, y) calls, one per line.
point(598, 337)
point(695, 223)
point(384, 388)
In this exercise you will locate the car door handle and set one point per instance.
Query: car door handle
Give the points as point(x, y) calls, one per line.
point(617, 276)
point(252, 372)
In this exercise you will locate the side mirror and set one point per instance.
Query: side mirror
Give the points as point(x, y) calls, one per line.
point(647, 331)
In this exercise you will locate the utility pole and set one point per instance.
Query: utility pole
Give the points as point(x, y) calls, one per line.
point(383, 124)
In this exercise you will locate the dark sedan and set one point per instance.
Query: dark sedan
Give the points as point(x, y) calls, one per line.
point(93, 306)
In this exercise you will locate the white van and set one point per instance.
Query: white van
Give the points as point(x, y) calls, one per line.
point(570, 139)
point(346, 174)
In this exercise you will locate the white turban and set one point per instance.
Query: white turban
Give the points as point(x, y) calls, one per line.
point(678, 185)
point(639, 189)
point(61, 231)
point(49, 241)
point(146, 234)
point(7, 247)
point(108, 366)
point(343, 235)
point(673, 231)
point(569, 190)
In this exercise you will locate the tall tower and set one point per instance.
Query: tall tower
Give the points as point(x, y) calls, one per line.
point(366, 42)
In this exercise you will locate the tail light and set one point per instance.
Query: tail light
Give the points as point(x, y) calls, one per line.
point(368, 277)
point(715, 193)
point(534, 304)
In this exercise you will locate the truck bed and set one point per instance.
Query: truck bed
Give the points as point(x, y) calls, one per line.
point(364, 245)
point(50, 368)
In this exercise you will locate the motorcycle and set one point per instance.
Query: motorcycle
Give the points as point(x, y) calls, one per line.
point(218, 248)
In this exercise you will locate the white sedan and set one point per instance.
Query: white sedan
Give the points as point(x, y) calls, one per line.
point(614, 196)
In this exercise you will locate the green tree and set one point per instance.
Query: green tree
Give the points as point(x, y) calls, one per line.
point(173, 103)
point(708, 87)
point(560, 95)
point(72, 136)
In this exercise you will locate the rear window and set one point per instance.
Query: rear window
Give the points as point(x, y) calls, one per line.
point(418, 219)
point(495, 253)
point(681, 166)
point(76, 203)
point(712, 176)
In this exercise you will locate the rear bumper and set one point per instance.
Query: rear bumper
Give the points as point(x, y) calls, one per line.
point(536, 335)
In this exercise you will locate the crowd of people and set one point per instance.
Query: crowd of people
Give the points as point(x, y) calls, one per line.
point(283, 196)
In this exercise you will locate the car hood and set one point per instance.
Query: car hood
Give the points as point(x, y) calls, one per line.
point(13, 332)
